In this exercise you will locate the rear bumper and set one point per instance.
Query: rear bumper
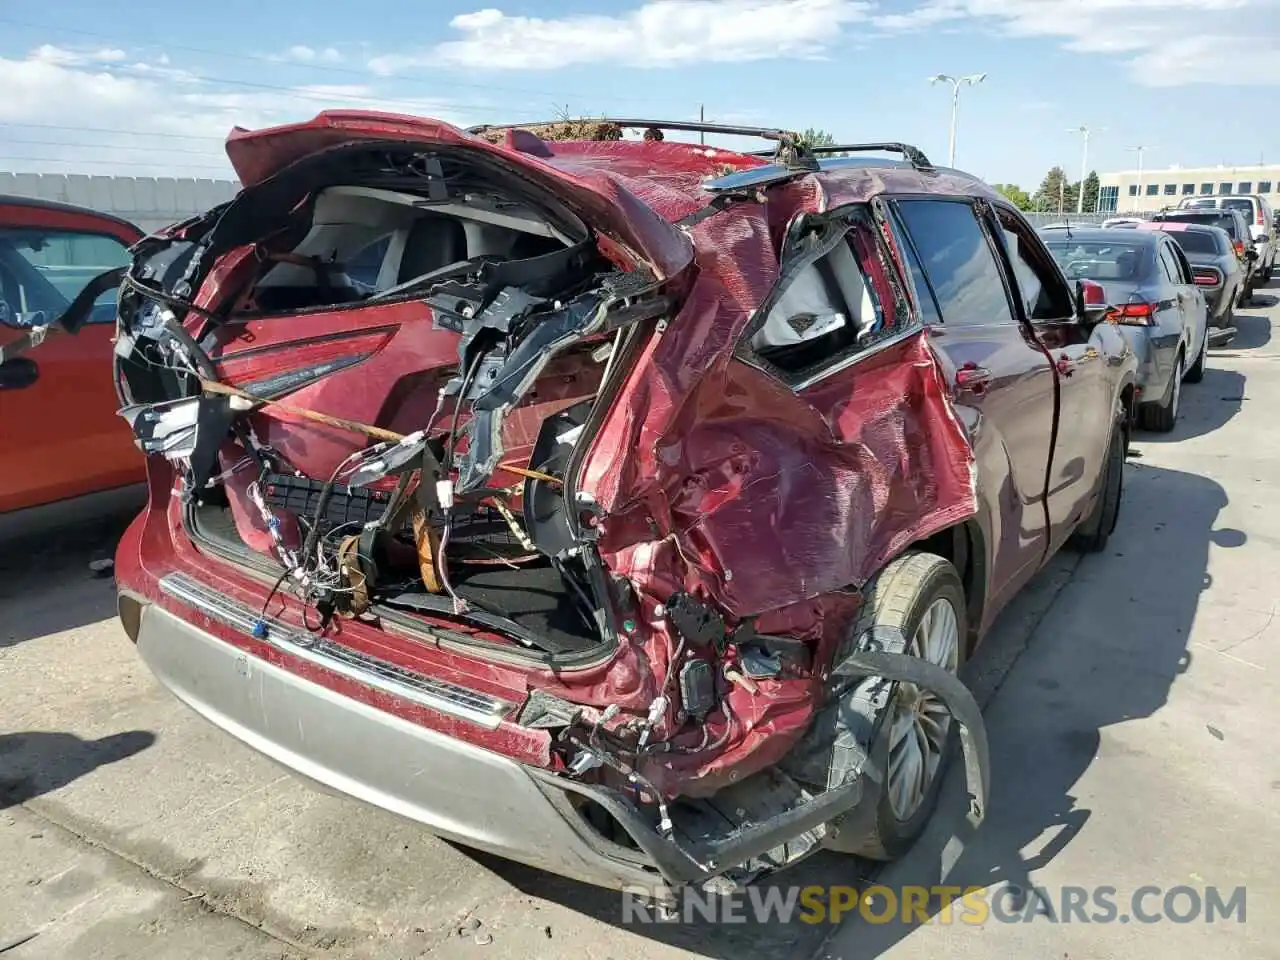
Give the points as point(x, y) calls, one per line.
point(338, 738)
point(457, 791)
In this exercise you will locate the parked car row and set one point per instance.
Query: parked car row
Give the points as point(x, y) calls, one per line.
point(1260, 220)
point(645, 496)
point(1157, 302)
point(1250, 228)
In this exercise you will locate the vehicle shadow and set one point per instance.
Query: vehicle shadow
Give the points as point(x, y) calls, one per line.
point(46, 585)
point(1252, 330)
point(1206, 406)
point(38, 762)
point(1101, 655)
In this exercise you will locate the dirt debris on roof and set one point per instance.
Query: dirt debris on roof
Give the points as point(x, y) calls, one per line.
point(563, 130)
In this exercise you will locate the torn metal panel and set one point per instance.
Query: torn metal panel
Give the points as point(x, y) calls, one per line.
point(602, 199)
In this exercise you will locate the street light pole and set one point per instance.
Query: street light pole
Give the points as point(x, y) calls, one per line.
point(1139, 150)
point(972, 79)
point(1084, 162)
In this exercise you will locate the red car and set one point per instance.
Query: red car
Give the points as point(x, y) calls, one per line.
point(623, 507)
point(62, 438)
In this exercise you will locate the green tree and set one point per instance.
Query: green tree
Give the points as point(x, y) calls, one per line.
point(1015, 195)
point(1055, 191)
point(1091, 188)
point(816, 137)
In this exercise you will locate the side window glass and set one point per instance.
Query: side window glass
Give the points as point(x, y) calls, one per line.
point(42, 271)
point(929, 312)
point(1185, 274)
point(1041, 290)
point(958, 262)
point(1168, 265)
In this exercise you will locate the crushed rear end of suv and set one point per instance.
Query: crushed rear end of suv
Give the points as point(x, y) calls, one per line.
point(601, 503)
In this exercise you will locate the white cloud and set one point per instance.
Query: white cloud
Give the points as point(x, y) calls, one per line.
point(1163, 42)
point(660, 33)
point(134, 119)
point(48, 53)
point(304, 54)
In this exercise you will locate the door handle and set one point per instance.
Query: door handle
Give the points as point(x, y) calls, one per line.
point(973, 378)
point(18, 373)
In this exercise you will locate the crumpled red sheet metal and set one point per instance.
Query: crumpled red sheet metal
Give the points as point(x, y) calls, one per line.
point(717, 479)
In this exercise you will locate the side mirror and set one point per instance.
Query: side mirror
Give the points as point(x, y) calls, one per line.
point(18, 373)
point(21, 321)
point(1091, 302)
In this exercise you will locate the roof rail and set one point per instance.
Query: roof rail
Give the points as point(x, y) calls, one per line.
point(914, 155)
point(790, 150)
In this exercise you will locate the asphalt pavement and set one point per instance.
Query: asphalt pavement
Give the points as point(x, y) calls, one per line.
point(1131, 698)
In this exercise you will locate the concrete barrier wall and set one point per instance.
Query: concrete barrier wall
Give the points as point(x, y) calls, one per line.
point(154, 202)
point(150, 202)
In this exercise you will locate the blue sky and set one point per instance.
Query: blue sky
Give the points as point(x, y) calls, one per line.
point(152, 87)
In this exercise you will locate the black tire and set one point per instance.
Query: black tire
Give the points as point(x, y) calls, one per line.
point(1162, 417)
point(1095, 530)
point(899, 596)
point(1196, 373)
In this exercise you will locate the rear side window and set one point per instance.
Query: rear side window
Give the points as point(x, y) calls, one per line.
point(834, 300)
point(1185, 274)
point(957, 262)
point(1169, 264)
point(1244, 206)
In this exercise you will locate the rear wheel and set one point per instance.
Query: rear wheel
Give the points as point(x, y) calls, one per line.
point(921, 595)
point(1163, 415)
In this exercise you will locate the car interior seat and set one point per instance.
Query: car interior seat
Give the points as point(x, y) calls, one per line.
point(826, 308)
point(1127, 265)
point(431, 243)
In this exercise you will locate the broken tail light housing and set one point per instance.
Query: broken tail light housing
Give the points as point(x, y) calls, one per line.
point(1238, 246)
point(1207, 276)
point(1134, 315)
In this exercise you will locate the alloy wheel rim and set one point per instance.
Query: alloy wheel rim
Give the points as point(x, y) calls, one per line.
point(1177, 387)
point(920, 722)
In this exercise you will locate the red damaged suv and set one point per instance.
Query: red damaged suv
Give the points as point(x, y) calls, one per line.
point(625, 507)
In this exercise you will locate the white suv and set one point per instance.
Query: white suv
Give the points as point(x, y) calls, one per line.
point(1257, 212)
